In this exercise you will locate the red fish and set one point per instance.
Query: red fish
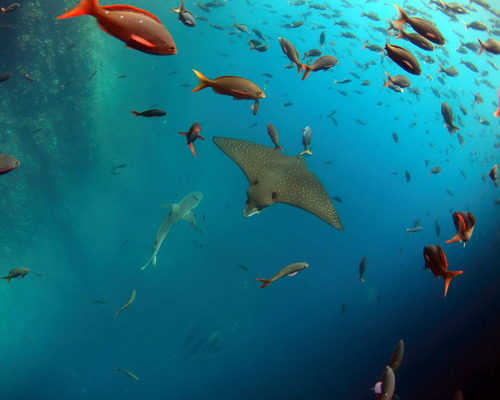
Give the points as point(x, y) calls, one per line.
point(192, 135)
point(435, 260)
point(7, 163)
point(496, 114)
point(139, 29)
point(493, 174)
point(464, 222)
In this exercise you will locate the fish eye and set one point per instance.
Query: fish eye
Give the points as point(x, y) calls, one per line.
point(172, 48)
point(273, 195)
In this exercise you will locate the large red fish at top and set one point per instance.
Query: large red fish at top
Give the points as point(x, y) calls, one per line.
point(139, 29)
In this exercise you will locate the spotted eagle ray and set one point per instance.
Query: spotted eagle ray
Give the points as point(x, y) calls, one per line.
point(278, 178)
point(183, 210)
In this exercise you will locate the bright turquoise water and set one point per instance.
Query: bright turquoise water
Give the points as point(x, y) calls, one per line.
point(200, 328)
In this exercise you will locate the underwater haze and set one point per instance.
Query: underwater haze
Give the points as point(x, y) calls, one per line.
point(82, 209)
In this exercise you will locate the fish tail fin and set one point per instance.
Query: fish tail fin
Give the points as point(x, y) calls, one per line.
point(191, 146)
point(299, 68)
point(6, 277)
point(454, 239)
point(203, 83)
point(430, 173)
point(305, 55)
point(389, 80)
point(361, 279)
point(152, 261)
point(465, 23)
point(448, 276)
point(265, 282)
point(3, 11)
point(135, 113)
point(441, 69)
point(85, 7)
point(482, 47)
point(306, 151)
point(402, 16)
point(307, 71)
point(364, 46)
point(401, 33)
point(277, 147)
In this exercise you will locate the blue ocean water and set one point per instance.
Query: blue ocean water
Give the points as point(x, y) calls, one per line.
point(200, 327)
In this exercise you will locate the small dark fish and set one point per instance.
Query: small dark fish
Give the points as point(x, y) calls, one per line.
point(154, 113)
point(469, 65)
point(36, 131)
point(99, 302)
point(91, 75)
point(366, 82)
point(28, 78)
point(323, 63)
point(312, 53)
point(121, 76)
point(408, 177)
point(243, 267)
point(258, 34)
point(476, 25)
point(371, 15)
point(273, 134)
point(343, 81)
point(438, 228)
point(416, 39)
point(12, 7)
point(460, 139)
point(337, 198)
point(184, 15)
point(360, 121)
point(362, 268)
point(192, 135)
point(435, 170)
point(373, 47)
point(403, 58)
point(5, 76)
point(217, 26)
point(268, 75)
point(67, 83)
point(493, 174)
point(450, 192)
point(448, 117)
point(425, 28)
point(491, 46)
point(395, 137)
point(287, 104)
point(451, 71)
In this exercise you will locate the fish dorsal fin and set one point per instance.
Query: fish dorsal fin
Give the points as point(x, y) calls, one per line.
point(189, 217)
point(119, 7)
point(293, 273)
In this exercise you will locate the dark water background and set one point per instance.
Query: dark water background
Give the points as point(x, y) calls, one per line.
point(200, 328)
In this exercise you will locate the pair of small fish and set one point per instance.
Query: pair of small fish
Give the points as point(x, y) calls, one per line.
point(434, 256)
point(385, 388)
point(323, 63)
point(306, 138)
